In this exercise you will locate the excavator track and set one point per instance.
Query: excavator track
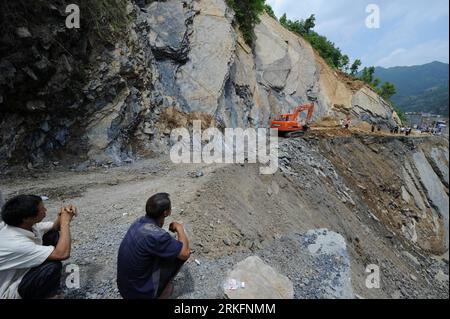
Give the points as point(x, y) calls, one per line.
point(295, 134)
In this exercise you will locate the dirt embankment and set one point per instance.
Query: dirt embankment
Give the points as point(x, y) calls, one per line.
point(353, 184)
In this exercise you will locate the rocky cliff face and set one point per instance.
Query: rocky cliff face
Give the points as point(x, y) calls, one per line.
point(61, 94)
point(402, 182)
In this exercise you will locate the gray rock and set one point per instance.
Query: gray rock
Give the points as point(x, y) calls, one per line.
point(260, 281)
point(405, 195)
point(411, 257)
point(435, 191)
point(168, 28)
point(332, 261)
point(439, 159)
point(36, 105)
point(23, 33)
point(2, 202)
point(202, 79)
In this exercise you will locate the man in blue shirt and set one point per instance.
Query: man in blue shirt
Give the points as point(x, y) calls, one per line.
point(149, 257)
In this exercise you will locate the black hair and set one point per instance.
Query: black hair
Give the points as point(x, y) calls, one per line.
point(20, 207)
point(157, 205)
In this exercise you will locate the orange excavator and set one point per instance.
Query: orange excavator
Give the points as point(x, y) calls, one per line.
point(288, 125)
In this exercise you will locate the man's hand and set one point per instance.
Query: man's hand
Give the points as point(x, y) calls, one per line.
point(175, 227)
point(70, 208)
point(62, 249)
point(67, 213)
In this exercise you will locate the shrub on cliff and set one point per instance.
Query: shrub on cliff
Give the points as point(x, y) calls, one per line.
point(103, 19)
point(247, 15)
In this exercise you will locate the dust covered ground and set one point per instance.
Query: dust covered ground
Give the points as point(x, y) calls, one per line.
point(329, 179)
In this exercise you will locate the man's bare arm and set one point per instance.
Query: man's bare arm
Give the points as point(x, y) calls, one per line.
point(181, 234)
point(62, 249)
point(57, 222)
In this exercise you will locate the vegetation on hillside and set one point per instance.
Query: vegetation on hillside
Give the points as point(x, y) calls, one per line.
point(103, 19)
point(387, 90)
point(327, 49)
point(247, 16)
point(270, 11)
point(420, 88)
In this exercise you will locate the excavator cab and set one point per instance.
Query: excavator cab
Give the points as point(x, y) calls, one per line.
point(288, 125)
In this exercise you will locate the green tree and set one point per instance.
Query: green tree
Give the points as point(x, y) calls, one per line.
point(355, 66)
point(375, 83)
point(270, 11)
point(309, 23)
point(387, 90)
point(344, 65)
point(283, 21)
point(247, 16)
point(367, 74)
point(326, 49)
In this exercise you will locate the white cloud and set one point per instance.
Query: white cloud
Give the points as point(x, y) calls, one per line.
point(419, 54)
point(412, 31)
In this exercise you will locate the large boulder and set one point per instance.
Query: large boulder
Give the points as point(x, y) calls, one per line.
point(439, 161)
point(435, 193)
point(331, 261)
point(254, 279)
point(202, 79)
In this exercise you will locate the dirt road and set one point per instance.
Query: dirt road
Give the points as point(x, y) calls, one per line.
point(230, 212)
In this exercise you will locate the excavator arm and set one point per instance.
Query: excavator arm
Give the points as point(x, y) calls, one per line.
point(303, 108)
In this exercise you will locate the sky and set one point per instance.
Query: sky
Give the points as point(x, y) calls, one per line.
point(411, 32)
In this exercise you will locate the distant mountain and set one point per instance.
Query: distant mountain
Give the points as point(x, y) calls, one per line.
point(421, 88)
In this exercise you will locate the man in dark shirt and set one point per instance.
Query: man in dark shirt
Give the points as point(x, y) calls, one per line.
point(149, 257)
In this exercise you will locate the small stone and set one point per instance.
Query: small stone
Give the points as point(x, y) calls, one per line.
point(23, 33)
point(362, 187)
point(199, 174)
point(227, 242)
point(412, 258)
point(35, 105)
point(30, 73)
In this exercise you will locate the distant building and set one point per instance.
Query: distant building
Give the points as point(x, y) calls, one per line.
point(414, 119)
point(426, 121)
